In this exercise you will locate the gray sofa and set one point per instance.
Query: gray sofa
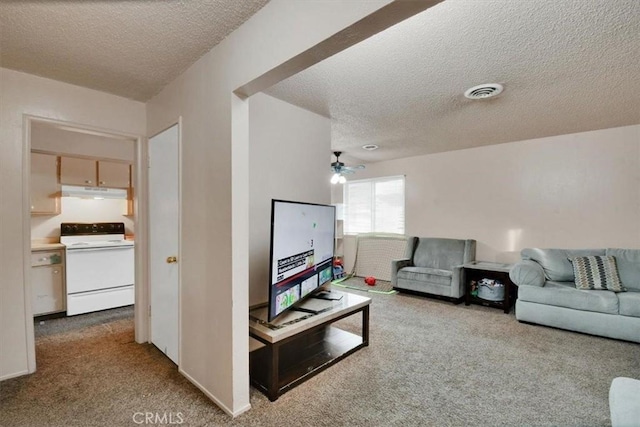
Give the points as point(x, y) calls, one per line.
point(547, 294)
point(433, 266)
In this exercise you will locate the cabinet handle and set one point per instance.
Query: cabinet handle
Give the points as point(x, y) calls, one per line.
point(43, 259)
point(102, 182)
point(88, 181)
point(56, 271)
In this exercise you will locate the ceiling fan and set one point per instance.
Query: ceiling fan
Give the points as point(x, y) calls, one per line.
point(339, 169)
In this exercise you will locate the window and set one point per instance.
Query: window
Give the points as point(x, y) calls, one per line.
point(374, 205)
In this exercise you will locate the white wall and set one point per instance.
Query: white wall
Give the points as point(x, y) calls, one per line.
point(214, 349)
point(289, 160)
point(45, 137)
point(570, 191)
point(74, 209)
point(26, 94)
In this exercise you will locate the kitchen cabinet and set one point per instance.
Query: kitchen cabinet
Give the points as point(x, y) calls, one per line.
point(48, 293)
point(44, 188)
point(88, 172)
point(78, 171)
point(113, 174)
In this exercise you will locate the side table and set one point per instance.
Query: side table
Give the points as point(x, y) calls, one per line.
point(478, 270)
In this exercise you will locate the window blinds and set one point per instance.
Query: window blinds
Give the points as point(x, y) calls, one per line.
point(374, 205)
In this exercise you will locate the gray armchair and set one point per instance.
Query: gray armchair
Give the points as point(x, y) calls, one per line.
point(433, 266)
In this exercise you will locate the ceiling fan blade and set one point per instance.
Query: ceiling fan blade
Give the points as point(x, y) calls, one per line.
point(353, 168)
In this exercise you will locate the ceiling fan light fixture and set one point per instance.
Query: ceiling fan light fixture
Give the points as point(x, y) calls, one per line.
point(342, 179)
point(370, 147)
point(336, 178)
point(484, 91)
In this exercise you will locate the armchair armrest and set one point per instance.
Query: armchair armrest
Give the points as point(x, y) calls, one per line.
point(528, 273)
point(624, 401)
point(457, 282)
point(397, 264)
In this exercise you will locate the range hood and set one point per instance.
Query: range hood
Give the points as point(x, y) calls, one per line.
point(93, 192)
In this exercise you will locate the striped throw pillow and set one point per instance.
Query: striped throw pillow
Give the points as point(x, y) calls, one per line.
point(597, 272)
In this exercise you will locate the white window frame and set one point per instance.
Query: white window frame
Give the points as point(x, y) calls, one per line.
point(373, 181)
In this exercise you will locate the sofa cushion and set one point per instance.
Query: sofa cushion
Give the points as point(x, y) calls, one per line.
point(439, 253)
point(628, 262)
point(629, 303)
point(422, 274)
point(596, 272)
point(555, 262)
point(565, 294)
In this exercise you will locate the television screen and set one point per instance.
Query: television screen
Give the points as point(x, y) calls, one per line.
point(302, 243)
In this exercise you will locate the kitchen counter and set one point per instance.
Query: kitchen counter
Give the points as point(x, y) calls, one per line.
point(43, 246)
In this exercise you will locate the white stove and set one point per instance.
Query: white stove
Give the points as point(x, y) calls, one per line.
point(100, 266)
point(99, 241)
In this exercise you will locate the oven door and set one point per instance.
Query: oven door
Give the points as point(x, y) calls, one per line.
point(92, 269)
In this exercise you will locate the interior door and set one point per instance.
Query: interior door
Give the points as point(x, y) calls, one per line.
point(164, 232)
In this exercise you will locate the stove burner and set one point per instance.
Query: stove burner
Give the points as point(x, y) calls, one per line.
point(81, 236)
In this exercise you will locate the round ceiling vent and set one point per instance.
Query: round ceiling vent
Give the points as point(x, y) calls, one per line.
point(484, 91)
point(370, 147)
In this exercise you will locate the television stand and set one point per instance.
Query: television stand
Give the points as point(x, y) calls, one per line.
point(309, 310)
point(299, 345)
point(328, 295)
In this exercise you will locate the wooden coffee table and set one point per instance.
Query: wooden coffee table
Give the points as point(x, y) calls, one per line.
point(299, 345)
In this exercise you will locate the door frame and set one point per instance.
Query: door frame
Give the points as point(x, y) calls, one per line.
point(178, 123)
point(140, 219)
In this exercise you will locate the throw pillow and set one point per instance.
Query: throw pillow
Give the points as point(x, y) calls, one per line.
point(596, 272)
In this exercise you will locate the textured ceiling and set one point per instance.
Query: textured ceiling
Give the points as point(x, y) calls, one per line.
point(128, 48)
point(566, 65)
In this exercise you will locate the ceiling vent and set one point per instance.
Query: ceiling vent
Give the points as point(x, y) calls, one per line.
point(484, 91)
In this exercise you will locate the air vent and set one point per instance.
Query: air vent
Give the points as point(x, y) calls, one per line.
point(484, 91)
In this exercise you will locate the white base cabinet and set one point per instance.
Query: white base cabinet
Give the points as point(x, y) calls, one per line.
point(47, 282)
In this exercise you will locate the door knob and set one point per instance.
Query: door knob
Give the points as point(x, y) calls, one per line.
point(172, 259)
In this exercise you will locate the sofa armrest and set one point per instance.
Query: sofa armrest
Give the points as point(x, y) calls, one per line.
point(624, 402)
point(396, 265)
point(457, 282)
point(528, 273)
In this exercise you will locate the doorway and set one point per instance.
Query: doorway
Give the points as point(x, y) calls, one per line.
point(60, 140)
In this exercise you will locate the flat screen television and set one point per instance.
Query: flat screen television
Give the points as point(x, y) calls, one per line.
point(301, 256)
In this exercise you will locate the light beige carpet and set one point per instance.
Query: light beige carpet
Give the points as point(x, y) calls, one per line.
point(429, 363)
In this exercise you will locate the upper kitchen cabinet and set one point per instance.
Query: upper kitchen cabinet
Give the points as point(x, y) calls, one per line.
point(87, 172)
point(78, 171)
point(45, 191)
point(114, 175)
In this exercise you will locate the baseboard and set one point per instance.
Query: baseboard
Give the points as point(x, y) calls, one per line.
point(14, 375)
point(215, 399)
